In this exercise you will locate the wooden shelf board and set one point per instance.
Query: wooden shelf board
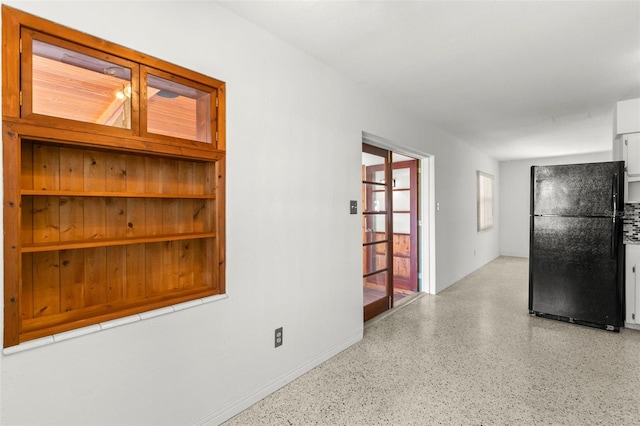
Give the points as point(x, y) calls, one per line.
point(44, 326)
point(113, 194)
point(82, 244)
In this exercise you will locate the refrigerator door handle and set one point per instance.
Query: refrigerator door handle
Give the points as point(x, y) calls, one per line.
point(614, 195)
point(614, 201)
point(614, 239)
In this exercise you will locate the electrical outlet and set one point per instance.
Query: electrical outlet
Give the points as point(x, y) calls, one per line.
point(278, 337)
point(353, 207)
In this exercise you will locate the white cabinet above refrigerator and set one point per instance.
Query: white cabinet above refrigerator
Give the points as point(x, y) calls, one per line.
point(626, 117)
point(631, 152)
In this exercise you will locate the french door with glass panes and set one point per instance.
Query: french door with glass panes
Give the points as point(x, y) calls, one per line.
point(377, 231)
point(404, 187)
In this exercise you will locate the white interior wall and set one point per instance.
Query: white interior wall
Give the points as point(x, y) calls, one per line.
point(515, 198)
point(294, 131)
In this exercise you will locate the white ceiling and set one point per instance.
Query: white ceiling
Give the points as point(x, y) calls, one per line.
point(517, 79)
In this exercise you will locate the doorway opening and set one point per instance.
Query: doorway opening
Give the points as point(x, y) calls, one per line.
point(390, 228)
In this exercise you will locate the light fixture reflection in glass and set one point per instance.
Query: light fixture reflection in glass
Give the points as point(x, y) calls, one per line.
point(124, 93)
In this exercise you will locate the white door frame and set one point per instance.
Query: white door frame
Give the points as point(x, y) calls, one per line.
point(427, 235)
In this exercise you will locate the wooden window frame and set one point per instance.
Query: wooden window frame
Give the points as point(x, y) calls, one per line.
point(144, 73)
point(27, 35)
point(22, 130)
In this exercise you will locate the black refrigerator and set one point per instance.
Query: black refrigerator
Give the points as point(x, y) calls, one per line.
point(576, 265)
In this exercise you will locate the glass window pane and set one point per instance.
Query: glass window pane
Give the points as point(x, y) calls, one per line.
point(374, 199)
point(401, 200)
point(178, 110)
point(401, 178)
point(374, 287)
point(373, 168)
point(401, 223)
point(372, 160)
point(374, 257)
point(378, 176)
point(485, 201)
point(71, 85)
point(374, 228)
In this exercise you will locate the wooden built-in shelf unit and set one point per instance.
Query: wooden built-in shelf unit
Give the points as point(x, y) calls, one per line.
point(114, 180)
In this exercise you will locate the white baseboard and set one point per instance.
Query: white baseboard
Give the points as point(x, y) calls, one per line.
point(515, 255)
point(236, 407)
point(631, 325)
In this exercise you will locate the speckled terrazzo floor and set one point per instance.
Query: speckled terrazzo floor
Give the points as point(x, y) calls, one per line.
point(470, 355)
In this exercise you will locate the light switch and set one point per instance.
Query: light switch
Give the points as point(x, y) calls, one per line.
point(353, 207)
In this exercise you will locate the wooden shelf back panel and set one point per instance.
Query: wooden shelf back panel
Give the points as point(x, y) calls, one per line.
point(53, 220)
point(105, 232)
point(55, 282)
point(47, 167)
point(168, 196)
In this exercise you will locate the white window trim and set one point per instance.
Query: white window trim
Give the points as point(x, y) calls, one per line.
point(484, 210)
